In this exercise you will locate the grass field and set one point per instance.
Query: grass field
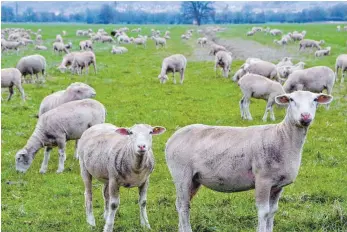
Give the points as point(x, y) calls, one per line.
point(128, 86)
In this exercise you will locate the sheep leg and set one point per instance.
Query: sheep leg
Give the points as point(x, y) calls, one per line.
point(182, 77)
point(248, 113)
point(113, 204)
point(183, 192)
point(262, 196)
point(76, 154)
point(337, 73)
point(142, 202)
point(62, 156)
point(94, 67)
point(87, 68)
point(105, 194)
point(44, 164)
point(11, 93)
point(173, 77)
point(242, 102)
point(343, 73)
point(275, 195)
point(37, 77)
point(88, 194)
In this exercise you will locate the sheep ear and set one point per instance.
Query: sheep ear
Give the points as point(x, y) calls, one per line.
point(157, 130)
point(324, 98)
point(123, 131)
point(282, 99)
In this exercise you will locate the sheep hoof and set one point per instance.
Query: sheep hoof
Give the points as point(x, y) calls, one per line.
point(43, 171)
point(91, 221)
point(60, 171)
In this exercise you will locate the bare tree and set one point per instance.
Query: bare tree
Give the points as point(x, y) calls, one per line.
point(197, 10)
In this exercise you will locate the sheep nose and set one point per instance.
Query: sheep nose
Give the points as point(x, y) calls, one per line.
point(306, 116)
point(142, 147)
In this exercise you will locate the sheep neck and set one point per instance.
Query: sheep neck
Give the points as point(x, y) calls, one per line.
point(135, 161)
point(164, 69)
point(34, 144)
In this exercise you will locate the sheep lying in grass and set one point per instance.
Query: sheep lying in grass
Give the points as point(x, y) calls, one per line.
point(259, 87)
point(323, 52)
point(118, 157)
point(341, 63)
point(174, 63)
point(119, 50)
point(40, 47)
point(75, 91)
point(31, 65)
point(251, 33)
point(233, 159)
point(55, 127)
point(12, 77)
point(83, 60)
point(224, 60)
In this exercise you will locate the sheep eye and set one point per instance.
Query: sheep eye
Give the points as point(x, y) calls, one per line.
point(291, 99)
point(130, 132)
point(316, 99)
point(151, 132)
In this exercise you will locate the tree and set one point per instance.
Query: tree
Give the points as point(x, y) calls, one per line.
point(106, 14)
point(197, 11)
point(7, 14)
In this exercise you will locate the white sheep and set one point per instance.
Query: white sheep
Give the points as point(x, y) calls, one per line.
point(64, 33)
point(224, 60)
point(263, 68)
point(75, 91)
point(119, 50)
point(286, 61)
point(285, 70)
point(59, 47)
point(323, 52)
point(12, 77)
point(40, 47)
point(140, 41)
point(83, 60)
point(118, 157)
point(57, 126)
point(233, 159)
point(250, 33)
point(58, 38)
point(338, 28)
point(67, 61)
point(341, 63)
point(216, 48)
point(258, 87)
point(275, 32)
point(159, 41)
point(174, 63)
point(31, 65)
point(11, 45)
point(202, 41)
point(309, 43)
point(86, 44)
point(106, 38)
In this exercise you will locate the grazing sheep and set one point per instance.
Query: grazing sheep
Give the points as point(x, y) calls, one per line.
point(58, 38)
point(33, 64)
point(83, 60)
point(297, 36)
point(118, 157)
point(40, 47)
point(314, 79)
point(174, 63)
point(57, 126)
point(159, 41)
point(259, 87)
point(140, 41)
point(286, 61)
point(275, 32)
point(119, 50)
point(106, 38)
point(341, 63)
point(202, 41)
point(281, 42)
point(251, 33)
point(12, 77)
point(86, 44)
point(216, 48)
point(67, 61)
point(123, 39)
point(263, 68)
point(59, 47)
point(309, 43)
point(233, 159)
point(223, 59)
point(75, 91)
point(10, 45)
point(323, 52)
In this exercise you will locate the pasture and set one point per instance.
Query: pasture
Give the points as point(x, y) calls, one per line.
point(128, 86)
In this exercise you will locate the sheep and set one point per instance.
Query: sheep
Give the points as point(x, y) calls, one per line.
point(297, 36)
point(119, 50)
point(79, 33)
point(186, 37)
point(233, 159)
point(174, 63)
point(250, 33)
point(58, 38)
point(127, 161)
point(64, 33)
point(159, 41)
point(223, 59)
point(83, 60)
point(12, 77)
point(281, 42)
point(106, 38)
point(123, 39)
point(27, 41)
point(59, 47)
point(309, 43)
point(285, 70)
point(86, 44)
point(140, 41)
point(263, 68)
point(10, 45)
point(275, 32)
point(216, 48)
point(286, 61)
point(202, 41)
point(67, 61)
point(40, 47)
point(241, 72)
point(338, 28)
point(259, 87)
point(341, 63)
point(33, 64)
point(314, 79)
point(323, 52)
point(68, 45)
point(75, 91)
point(57, 126)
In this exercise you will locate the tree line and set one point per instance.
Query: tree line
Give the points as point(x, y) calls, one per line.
point(197, 12)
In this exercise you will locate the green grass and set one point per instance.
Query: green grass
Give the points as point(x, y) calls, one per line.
point(128, 86)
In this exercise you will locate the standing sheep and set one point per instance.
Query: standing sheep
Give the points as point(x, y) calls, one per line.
point(67, 61)
point(83, 60)
point(33, 64)
point(59, 47)
point(263, 68)
point(309, 43)
point(216, 48)
point(159, 41)
point(258, 87)
point(341, 63)
point(117, 157)
point(174, 63)
point(55, 127)
point(223, 59)
point(12, 77)
point(233, 159)
point(323, 52)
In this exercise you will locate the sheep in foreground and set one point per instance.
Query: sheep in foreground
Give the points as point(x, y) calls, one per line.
point(223, 59)
point(12, 77)
point(309, 43)
point(216, 48)
point(233, 159)
point(55, 127)
point(119, 50)
point(75, 91)
point(323, 52)
point(31, 65)
point(258, 87)
point(117, 157)
point(174, 63)
point(59, 47)
point(341, 63)
point(83, 60)
point(40, 47)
